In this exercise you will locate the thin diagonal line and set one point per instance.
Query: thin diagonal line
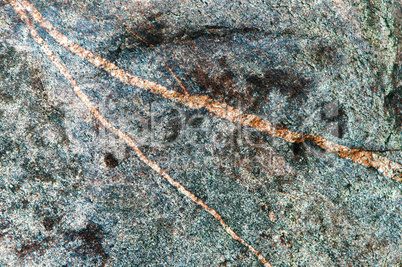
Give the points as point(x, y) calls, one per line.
point(160, 57)
point(62, 68)
point(369, 159)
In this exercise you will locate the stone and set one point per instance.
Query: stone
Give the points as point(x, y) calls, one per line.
point(74, 194)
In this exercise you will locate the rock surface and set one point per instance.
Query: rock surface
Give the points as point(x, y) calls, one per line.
point(73, 194)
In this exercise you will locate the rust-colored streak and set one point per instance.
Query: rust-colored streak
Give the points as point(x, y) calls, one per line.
point(383, 165)
point(62, 68)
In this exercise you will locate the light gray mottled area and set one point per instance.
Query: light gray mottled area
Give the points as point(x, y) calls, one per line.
point(72, 194)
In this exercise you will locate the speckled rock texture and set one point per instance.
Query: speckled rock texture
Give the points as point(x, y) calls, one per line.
point(73, 194)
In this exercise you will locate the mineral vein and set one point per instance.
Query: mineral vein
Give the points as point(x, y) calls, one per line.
point(369, 159)
point(63, 70)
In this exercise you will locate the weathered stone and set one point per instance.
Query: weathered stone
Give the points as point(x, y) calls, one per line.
point(73, 194)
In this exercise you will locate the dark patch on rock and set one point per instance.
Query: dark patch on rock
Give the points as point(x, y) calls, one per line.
point(213, 31)
point(92, 237)
point(37, 84)
point(125, 43)
point(6, 146)
point(325, 55)
point(290, 84)
point(219, 87)
point(303, 151)
point(372, 16)
point(265, 236)
point(196, 122)
point(222, 62)
point(166, 125)
point(49, 222)
point(110, 160)
point(149, 33)
point(256, 138)
point(38, 170)
point(152, 31)
point(8, 60)
point(27, 248)
point(298, 151)
point(173, 131)
point(164, 228)
point(393, 102)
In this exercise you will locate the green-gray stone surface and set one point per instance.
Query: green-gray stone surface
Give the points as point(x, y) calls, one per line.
point(73, 194)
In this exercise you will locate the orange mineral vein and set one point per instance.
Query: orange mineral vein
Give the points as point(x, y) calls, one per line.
point(369, 159)
point(59, 64)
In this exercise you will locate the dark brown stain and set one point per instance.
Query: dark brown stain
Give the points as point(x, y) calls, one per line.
point(219, 88)
point(298, 151)
point(37, 84)
point(325, 55)
point(92, 237)
point(222, 62)
point(196, 122)
point(110, 160)
point(27, 248)
point(290, 84)
point(148, 34)
point(205, 82)
point(152, 31)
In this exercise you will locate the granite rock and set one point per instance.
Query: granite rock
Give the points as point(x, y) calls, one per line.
point(73, 194)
